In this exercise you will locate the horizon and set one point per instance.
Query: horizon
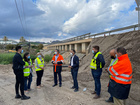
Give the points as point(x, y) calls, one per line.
point(44, 21)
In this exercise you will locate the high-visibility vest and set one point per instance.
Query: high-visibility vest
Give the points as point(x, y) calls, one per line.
point(26, 70)
point(113, 62)
point(59, 59)
point(121, 72)
point(93, 64)
point(40, 64)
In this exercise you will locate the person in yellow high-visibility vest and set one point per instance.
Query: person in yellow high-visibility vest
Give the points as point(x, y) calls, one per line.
point(39, 67)
point(27, 72)
point(96, 65)
point(114, 60)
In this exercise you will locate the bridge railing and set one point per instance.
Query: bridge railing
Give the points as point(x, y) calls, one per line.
point(88, 35)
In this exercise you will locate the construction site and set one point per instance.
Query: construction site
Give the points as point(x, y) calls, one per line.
point(48, 95)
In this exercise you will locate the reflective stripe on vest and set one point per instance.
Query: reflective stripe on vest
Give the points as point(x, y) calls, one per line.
point(93, 64)
point(27, 69)
point(121, 77)
point(40, 64)
point(113, 62)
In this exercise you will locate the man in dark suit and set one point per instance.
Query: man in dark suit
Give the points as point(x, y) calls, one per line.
point(18, 65)
point(74, 65)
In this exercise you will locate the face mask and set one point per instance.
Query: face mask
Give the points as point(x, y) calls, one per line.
point(28, 57)
point(71, 54)
point(21, 51)
point(55, 52)
point(39, 56)
point(112, 57)
point(93, 51)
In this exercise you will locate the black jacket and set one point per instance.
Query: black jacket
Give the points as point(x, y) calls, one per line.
point(18, 63)
point(119, 91)
point(75, 62)
point(99, 59)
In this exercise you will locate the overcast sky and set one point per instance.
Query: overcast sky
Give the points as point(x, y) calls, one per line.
point(47, 20)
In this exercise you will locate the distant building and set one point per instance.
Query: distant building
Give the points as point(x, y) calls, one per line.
point(8, 42)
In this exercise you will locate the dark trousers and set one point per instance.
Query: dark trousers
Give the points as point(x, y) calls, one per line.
point(19, 82)
point(27, 82)
point(55, 78)
point(96, 75)
point(39, 77)
point(74, 74)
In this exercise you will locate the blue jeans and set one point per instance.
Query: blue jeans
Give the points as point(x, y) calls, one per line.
point(74, 73)
point(27, 82)
point(96, 75)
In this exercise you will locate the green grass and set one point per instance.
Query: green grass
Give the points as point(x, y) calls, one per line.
point(47, 58)
point(6, 58)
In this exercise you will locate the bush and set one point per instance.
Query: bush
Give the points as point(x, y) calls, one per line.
point(6, 58)
point(33, 57)
point(40, 46)
point(10, 47)
point(47, 58)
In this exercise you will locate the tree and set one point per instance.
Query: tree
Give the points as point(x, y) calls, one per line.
point(5, 38)
point(10, 47)
point(22, 39)
point(40, 46)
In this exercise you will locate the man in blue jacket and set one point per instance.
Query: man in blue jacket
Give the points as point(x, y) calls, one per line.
point(18, 64)
point(96, 65)
point(74, 65)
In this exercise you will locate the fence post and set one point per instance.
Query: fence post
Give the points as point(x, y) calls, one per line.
point(134, 28)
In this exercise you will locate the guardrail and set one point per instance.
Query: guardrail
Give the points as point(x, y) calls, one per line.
point(88, 35)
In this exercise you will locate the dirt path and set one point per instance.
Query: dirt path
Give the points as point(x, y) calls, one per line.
point(47, 95)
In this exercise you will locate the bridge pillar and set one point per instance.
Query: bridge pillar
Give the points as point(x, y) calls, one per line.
point(84, 46)
point(60, 48)
point(66, 47)
point(63, 47)
point(78, 47)
point(71, 46)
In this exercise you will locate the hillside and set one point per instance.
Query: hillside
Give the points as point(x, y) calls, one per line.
point(130, 41)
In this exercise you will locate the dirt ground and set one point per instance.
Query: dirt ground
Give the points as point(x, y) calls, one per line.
point(49, 95)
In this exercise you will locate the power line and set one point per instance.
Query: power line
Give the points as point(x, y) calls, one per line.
point(20, 18)
point(24, 16)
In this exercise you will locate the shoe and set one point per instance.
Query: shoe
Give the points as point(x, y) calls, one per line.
point(24, 97)
point(109, 100)
point(60, 85)
point(17, 96)
point(41, 85)
point(93, 92)
point(38, 87)
point(72, 87)
point(54, 85)
point(76, 90)
point(96, 96)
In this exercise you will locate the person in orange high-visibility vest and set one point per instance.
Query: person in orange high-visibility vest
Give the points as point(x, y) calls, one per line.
point(121, 77)
point(57, 62)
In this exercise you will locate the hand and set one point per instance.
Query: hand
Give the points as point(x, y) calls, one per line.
point(42, 68)
point(70, 66)
point(55, 62)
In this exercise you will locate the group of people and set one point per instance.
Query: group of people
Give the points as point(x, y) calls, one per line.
point(120, 74)
point(119, 70)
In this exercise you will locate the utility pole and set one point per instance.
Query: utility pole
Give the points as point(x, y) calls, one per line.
point(138, 9)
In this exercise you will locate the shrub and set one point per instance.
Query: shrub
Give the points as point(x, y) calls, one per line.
point(10, 47)
point(6, 58)
point(47, 58)
point(33, 57)
point(40, 46)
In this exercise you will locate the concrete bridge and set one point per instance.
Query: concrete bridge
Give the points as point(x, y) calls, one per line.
point(79, 46)
point(81, 43)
